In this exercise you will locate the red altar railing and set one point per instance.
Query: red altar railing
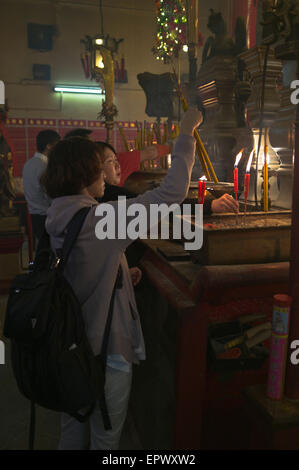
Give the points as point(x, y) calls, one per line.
point(22, 133)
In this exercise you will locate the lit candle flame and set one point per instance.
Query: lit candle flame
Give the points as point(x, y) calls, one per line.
point(249, 162)
point(201, 189)
point(238, 158)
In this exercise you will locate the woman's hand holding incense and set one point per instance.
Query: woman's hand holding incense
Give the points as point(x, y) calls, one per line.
point(191, 120)
point(225, 203)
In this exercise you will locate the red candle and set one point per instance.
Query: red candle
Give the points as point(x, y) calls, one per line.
point(236, 181)
point(236, 173)
point(246, 186)
point(201, 191)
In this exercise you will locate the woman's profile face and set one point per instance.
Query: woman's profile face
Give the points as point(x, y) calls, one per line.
point(111, 167)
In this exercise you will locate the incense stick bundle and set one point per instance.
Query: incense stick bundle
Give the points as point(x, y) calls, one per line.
point(148, 136)
point(144, 134)
point(203, 163)
point(196, 135)
point(137, 140)
point(166, 138)
point(152, 135)
point(123, 135)
point(206, 157)
point(165, 134)
point(157, 132)
point(141, 136)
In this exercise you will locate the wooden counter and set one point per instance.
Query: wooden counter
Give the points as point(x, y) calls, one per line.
point(205, 403)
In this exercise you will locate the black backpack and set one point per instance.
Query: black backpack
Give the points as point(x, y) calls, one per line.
point(52, 360)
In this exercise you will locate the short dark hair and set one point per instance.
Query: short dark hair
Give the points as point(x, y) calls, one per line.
point(102, 146)
point(80, 132)
point(46, 137)
point(73, 164)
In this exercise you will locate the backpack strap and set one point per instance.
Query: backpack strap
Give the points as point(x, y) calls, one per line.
point(43, 253)
point(44, 256)
point(43, 242)
point(102, 358)
point(117, 285)
point(73, 230)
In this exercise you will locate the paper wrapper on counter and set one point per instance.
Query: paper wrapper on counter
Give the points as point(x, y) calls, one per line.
point(279, 346)
point(258, 338)
point(251, 318)
point(254, 331)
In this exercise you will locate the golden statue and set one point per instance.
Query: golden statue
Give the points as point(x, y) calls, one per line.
point(7, 186)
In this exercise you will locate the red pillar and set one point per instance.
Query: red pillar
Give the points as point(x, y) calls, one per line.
point(292, 371)
point(248, 10)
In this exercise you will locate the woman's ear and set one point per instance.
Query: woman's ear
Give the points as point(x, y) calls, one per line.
point(48, 148)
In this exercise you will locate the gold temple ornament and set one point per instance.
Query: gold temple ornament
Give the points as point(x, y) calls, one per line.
point(123, 136)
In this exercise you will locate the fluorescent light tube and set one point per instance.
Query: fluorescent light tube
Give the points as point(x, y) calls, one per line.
point(79, 89)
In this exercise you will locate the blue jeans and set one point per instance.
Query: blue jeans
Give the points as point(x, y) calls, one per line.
point(91, 434)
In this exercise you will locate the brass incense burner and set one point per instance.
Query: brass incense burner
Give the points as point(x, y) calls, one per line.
point(245, 239)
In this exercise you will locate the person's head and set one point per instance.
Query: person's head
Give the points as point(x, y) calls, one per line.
point(74, 167)
point(85, 133)
point(110, 163)
point(45, 140)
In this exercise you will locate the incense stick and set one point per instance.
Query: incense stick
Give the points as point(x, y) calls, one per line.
point(196, 135)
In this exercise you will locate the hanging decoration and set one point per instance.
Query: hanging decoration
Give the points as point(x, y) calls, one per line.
point(88, 61)
point(98, 64)
point(120, 72)
point(171, 31)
